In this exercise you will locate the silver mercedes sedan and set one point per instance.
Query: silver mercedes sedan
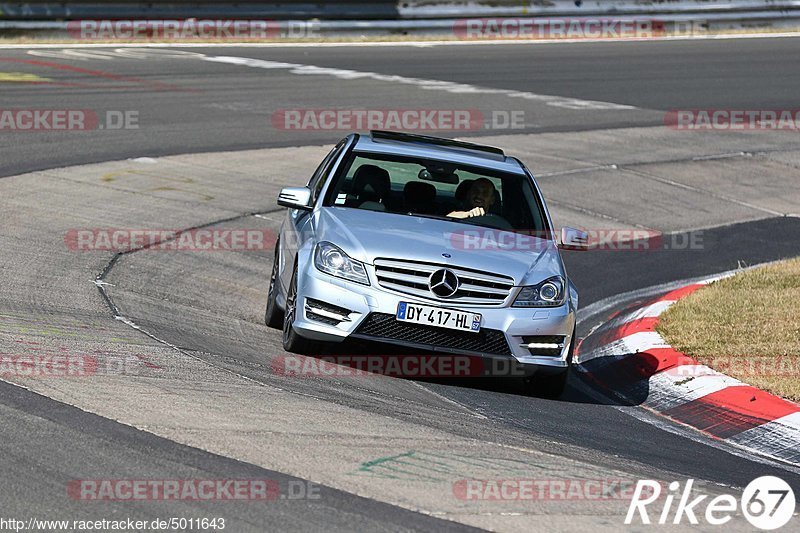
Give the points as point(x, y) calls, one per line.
point(431, 244)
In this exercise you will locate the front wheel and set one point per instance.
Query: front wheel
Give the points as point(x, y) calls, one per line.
point(273, 317)
point(292, 341)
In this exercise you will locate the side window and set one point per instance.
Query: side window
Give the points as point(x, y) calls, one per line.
point(317, 181)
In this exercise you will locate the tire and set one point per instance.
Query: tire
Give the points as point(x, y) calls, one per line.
point(292, 341)
point(273, 317)
point(550, 386)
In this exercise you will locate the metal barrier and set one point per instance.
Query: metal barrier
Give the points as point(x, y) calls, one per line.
point(182, 9)
point(426, 9)
point(377, 9)
point(407, 17)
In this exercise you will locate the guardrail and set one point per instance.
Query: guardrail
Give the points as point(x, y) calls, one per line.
point(375, 9)
point(578, 8)
point(407, 17)
point(182, 9)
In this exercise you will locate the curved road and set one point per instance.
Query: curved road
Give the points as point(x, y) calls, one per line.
point(210, 404)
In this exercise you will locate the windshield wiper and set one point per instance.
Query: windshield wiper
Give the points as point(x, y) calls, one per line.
point(435, 217)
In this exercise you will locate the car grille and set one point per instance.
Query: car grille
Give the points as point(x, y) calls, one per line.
point(411, 277)
point(381, 326)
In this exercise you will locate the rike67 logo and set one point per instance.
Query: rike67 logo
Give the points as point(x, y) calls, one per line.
point(767, 502)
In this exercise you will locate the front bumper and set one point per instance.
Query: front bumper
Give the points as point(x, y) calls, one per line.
point(319, 296)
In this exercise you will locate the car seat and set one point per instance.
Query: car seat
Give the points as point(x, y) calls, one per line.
point(419, 197)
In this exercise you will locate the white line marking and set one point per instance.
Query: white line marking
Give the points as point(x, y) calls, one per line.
point(634, 343)
point(469, 411)
point(116, 53)
point(103, 55)
point(577, 171)
point(432, 85)
point(687, 187)
point(650, 311)
point(344, 74)
point(709, 281)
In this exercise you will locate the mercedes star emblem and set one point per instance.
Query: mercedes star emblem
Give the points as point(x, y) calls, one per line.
point(443, 283)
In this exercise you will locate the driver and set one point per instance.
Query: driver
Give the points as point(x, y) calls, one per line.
point(480, 198)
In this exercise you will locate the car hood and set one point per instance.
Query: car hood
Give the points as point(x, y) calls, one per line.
point(367, 235)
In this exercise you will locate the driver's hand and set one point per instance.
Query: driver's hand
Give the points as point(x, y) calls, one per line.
point(476, 212)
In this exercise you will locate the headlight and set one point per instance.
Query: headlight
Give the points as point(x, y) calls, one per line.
point(549, 293)
point(332, 260)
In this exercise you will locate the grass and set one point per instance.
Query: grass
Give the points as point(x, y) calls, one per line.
point(747, 326)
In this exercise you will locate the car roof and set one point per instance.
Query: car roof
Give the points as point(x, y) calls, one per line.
point(439, 149)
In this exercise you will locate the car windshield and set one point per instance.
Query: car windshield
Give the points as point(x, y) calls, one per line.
point(436, 189)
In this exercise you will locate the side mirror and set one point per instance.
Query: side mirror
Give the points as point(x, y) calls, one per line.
point(574, 239)
point(295, 198)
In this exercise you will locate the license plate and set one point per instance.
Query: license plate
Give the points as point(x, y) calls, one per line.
point(438, 317)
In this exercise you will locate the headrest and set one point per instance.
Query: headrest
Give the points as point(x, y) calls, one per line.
point(419, 192)
point(463, 189)
point(371, 182)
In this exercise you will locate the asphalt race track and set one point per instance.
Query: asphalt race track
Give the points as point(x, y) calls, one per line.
point(191, 106)
point(201, 399)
